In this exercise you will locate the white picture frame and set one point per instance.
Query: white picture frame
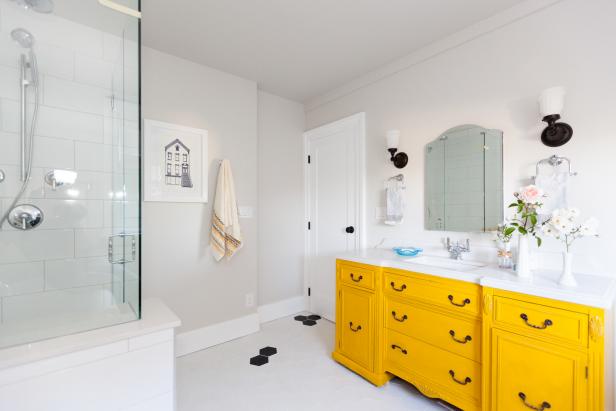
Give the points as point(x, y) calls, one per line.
point(175, 163)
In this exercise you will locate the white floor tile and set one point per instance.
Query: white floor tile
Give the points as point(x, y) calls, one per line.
point(302, 376)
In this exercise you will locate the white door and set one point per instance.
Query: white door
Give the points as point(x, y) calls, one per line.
point(334, 180)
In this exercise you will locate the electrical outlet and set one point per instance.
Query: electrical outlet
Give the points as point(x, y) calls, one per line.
point(250, 300)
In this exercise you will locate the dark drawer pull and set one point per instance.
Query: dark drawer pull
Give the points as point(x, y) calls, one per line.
point(361, 277)
point(467, 380)
point(544, 405)
point(393, 285)
point(453, 337)
point(394, 346)
point(466, 301)
point(546, 323)
point(354, 329)
point(400, 319)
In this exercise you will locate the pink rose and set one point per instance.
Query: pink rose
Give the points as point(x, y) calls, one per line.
point(531, 194)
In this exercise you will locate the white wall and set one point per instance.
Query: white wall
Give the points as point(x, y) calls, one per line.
point(494, 81)
point(177, 265)
point(281, 230)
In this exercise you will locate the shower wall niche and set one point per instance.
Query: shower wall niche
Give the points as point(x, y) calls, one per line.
point(79, 269)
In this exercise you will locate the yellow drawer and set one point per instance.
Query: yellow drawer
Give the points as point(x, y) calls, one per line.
point(541, 320)
point(462, 337)
point(356, 326)
point(357, 276)
point(458, 375)
point(454, 295)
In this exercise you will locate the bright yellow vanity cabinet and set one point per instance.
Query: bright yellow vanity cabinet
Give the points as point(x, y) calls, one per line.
point(475, 347)
point(542, 354)
point(358, 321)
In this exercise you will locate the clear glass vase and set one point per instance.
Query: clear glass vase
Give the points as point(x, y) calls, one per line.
point(504, 255)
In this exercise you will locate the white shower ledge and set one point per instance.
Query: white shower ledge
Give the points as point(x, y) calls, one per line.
point(156, 316)
point(593, 290)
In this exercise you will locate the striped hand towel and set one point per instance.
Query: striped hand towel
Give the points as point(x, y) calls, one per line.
point(225, 237)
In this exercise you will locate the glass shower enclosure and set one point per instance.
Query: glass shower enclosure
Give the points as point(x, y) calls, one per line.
point(69, 167)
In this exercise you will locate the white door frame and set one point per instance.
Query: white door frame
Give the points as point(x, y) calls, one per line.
point(360, 120)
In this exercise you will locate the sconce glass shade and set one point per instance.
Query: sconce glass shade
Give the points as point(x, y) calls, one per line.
point(393, 139)
point(552, 101)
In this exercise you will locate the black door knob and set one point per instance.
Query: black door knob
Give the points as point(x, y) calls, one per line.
point(350, 229)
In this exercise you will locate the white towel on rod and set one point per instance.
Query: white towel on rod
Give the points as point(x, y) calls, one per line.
point(555, 188)
point(226, 236)
point(394, 191)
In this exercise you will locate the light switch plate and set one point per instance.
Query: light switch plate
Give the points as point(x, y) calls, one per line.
point(245, 211)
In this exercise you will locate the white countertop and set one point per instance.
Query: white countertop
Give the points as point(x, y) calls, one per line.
point(592, 290)
point(156, 316)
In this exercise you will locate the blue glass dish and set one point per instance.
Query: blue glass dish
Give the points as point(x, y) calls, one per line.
point(407, 251)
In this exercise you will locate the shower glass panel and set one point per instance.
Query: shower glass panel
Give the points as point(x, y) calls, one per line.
point(69, 168)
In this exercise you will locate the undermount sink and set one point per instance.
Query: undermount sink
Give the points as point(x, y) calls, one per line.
point(448, 263)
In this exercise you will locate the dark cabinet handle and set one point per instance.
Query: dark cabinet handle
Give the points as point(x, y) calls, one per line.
point(401, 319)
point(361, 277)
point(466, 301)
point(354, 329)
point(546, 323)
point(393, 285)
point(394, 347)
point(467, 380)
point(544, 405)
point(350, 229)
point(464, 341)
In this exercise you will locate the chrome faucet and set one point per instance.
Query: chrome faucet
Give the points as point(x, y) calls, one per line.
point(456, 250)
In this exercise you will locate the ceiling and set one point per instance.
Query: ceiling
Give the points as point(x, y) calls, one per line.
point(300, 49)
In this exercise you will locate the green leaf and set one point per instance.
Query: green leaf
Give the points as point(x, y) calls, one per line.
point(533, 219)
point(520, 208)
point(513, 205)
point(539, 241)
point(509, 231)
point(522, 230)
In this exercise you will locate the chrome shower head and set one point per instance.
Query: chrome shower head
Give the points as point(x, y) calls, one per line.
point(23, 37)
point(40, 6)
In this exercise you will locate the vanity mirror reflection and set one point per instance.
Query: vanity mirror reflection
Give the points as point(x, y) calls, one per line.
point(464, 180)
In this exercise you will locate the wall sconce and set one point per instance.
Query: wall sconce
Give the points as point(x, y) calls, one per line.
point(400, 160)
point(551, 103)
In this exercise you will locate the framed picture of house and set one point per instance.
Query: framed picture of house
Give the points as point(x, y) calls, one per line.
point(175, 163)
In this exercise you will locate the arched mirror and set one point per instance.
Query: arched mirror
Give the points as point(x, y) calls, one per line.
point(464, 180)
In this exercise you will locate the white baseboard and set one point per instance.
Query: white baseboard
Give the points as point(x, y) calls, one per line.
point(201, 338)
point(284, 308)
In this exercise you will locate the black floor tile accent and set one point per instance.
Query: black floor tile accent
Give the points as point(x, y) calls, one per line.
point(309, 320)
point(268, 351)
point(259, 360)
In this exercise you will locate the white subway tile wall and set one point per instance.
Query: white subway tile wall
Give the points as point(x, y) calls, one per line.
point(88, 121)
